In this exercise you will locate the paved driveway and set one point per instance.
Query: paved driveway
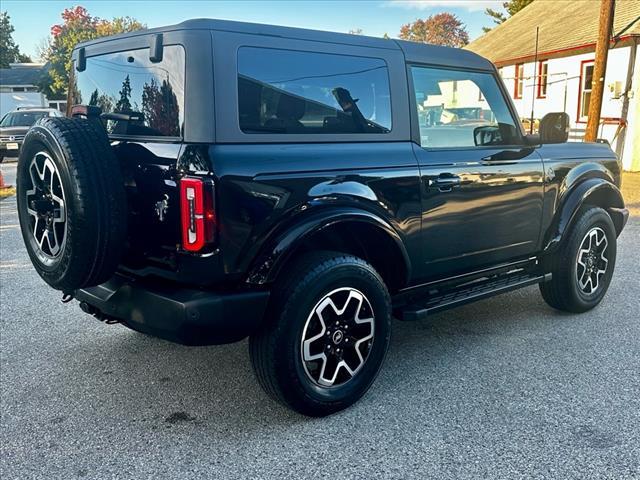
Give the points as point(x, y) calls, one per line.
point(506, 388)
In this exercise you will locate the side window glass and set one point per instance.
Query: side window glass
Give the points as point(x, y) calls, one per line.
point(293, 92)
point(461, 109)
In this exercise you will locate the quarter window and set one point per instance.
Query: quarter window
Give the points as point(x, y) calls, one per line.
point(292, 92)
point(461, 109)
point(143, 98)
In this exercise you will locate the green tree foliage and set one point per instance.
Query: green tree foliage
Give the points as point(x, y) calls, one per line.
point(9, 51)
point(77, 26)
point(440, 29)
point(511, 7)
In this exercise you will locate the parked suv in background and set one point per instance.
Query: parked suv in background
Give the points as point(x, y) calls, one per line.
point(221, 180)
point(15, 124)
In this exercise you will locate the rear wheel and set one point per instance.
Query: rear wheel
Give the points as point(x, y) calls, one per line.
point(583, 266)
point(326, 334)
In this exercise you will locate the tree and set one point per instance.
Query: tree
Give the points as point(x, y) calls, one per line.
point(77, 26)
point(511, 8)
point(124, 104)
point(9, 51)
point(160, 107)
point(440, 29)
point(104, 101)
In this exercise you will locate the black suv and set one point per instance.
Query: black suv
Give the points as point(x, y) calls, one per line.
point(218, 180)
point(15, 124)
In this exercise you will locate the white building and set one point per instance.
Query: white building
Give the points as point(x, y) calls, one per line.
point(19, 87)
point(559, 79)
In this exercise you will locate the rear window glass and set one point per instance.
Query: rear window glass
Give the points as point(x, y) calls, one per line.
point(292, 92)
point(143, 98)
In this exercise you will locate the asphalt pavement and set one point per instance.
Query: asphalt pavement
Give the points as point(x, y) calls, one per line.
point(505, 388)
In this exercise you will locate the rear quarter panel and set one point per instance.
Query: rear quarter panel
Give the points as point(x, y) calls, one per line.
point(264, 189)
point(568, 164)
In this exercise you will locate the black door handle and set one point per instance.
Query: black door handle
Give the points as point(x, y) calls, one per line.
point(445, 182)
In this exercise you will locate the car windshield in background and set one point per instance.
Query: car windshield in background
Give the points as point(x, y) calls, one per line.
point(149, 95)
point(285, 91)
point(22, 119)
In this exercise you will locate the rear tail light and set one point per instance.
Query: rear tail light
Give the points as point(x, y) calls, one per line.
point(197, 211)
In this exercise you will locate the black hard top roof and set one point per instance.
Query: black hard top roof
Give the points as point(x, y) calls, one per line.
point(413, 51)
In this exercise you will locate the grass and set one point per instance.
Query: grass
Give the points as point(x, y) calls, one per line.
point(631, 192)
point(7, 192)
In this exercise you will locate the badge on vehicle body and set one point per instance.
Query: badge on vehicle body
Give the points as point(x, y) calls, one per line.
point(161, 208)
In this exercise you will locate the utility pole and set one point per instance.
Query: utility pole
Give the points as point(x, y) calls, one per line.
point(607, 8)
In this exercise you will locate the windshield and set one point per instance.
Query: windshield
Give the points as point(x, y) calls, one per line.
point(22, 119)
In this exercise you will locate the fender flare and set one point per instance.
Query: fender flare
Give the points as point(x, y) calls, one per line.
point(598, 191)
point(282, 245)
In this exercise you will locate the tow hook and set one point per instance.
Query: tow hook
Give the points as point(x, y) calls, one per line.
point(67, 297)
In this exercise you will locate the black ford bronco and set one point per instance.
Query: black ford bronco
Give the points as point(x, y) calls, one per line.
point(216, 180)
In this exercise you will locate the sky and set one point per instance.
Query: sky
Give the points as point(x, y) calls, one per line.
point(32, 19)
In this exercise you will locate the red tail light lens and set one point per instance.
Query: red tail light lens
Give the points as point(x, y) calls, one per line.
point(197, 211)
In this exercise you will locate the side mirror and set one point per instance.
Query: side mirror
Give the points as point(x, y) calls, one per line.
point(487, 135)
point(554, 128)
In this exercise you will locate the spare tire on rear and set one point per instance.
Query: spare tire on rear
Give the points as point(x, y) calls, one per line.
point(71, 203)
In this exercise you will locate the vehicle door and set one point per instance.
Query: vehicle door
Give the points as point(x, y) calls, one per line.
point(482, 186)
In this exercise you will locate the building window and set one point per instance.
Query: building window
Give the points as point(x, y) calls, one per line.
point(586, 78)
point(519, 81)
point(543, 68)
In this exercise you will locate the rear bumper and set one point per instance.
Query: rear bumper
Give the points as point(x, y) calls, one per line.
point(181, 315)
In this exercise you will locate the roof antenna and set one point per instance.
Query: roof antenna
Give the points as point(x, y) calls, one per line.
point(536, 79)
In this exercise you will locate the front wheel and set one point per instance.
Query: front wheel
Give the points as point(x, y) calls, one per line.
point(326, 334)
point(583, 266)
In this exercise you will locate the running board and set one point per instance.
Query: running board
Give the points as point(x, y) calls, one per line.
point(469, 293)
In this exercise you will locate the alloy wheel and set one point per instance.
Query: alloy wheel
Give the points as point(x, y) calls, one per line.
point(337, 337)
point(46, 205)
point(592, 260)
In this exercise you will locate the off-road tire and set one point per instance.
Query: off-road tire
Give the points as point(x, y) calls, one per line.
point(563, 292)
point(275, 350)
point(94, 197)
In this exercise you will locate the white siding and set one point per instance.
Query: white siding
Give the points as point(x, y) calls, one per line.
point(563, 91)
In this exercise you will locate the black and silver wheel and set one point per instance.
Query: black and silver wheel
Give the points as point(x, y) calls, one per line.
point(326, 334)
point(583, 266)
point(591, 261)
point(45, 201)
point(337, 337)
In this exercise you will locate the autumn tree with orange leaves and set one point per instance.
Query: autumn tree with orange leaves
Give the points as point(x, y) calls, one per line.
point(77, 26)
point(440, 29)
